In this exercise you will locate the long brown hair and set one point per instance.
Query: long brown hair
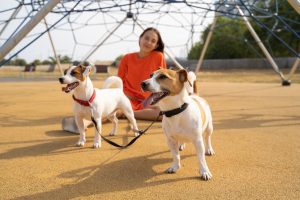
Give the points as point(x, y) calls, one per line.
point(160, 44)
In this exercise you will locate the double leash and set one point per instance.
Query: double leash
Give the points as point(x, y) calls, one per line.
point(141, 132)
point(168, 113)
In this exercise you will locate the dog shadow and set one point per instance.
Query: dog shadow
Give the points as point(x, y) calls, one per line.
point(10, 120)
point(121, 175)
point(56, 145)
point(58, 142)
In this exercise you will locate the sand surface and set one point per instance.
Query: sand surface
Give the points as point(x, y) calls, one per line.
point(256, 140)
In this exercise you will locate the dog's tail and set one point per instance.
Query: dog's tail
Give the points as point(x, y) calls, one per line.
point(113, 82)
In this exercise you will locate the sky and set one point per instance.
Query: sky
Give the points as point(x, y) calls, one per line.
point(179, 31)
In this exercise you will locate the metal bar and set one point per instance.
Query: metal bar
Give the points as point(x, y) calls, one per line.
point(177, 64)
point(53, 48)
point(14, 14)
point(294, 67)
point(12, 42)
point(203, 52)
point(295, 4)
point(102, 42)
point(260, 44)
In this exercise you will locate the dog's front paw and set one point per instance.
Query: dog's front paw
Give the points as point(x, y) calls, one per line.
point(172, 170)
point(80, 143)
point(210, 152)
point(112, 133)
point(205, 175)
point(136, 134)
point(96, 145)
point(182, 147)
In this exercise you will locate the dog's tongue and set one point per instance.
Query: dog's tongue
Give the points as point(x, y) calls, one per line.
point(69, 87)
point(65, 89)
point(148, 101)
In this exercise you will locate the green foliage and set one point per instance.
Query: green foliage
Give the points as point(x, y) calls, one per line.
point(46, 62)
point(119, 58)
point(232, 39)
point(292, 18)
point(18, 62)
point(37, 62)
point(65, 59)
point(227, 41)
point(50, 61)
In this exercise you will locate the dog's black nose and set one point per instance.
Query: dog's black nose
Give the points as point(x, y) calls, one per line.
point(144, 85)
point(61, 80)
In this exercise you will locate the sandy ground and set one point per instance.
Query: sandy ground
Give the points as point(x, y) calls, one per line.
point(256, 140)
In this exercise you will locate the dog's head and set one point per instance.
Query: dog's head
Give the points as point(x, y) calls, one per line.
point(73, 76)
point(164, 82)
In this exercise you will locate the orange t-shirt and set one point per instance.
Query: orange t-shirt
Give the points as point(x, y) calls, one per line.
point(133, 70)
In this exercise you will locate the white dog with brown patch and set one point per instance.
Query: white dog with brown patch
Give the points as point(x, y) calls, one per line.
point(185, 117)
point(99, 103)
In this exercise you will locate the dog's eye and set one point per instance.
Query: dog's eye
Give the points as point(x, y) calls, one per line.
point(65, 72)
point(162, 77)
point(73, 73)
point(151, 75)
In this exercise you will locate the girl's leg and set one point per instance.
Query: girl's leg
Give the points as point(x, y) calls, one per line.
point(150, 113)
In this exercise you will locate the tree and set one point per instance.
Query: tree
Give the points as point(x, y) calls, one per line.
point(20, 62)
point(227, 41)
point(231, 38)
point(292, 18)
point(46, 62)
point(52, 60)
point(65, 59)
point(37, 62)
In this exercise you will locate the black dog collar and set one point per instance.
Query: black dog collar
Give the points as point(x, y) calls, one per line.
point(170, 113)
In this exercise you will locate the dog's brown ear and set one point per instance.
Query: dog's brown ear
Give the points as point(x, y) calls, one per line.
point(182, 73)
point(85, 71)
point(82, 68)
point(195, 87)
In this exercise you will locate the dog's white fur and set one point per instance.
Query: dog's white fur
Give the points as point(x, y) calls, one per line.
point(188, 125)
point(105, 104)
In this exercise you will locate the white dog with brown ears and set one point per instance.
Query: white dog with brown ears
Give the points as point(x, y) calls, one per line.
point(99, 103)
point(185, 117)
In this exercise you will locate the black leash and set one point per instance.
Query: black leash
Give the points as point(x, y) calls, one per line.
point(168, 113)
point(141, 132)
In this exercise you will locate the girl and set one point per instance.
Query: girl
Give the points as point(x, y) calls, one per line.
point(133, 69)
point(136, 67)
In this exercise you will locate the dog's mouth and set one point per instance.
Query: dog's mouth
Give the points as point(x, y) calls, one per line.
point(155, 98)
point(70, 87)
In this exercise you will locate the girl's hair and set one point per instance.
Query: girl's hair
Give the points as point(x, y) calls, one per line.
point(160, 44)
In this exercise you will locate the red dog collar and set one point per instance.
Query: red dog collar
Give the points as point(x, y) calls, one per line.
point(85, 103)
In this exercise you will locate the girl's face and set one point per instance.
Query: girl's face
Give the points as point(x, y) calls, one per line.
point(148, 42)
